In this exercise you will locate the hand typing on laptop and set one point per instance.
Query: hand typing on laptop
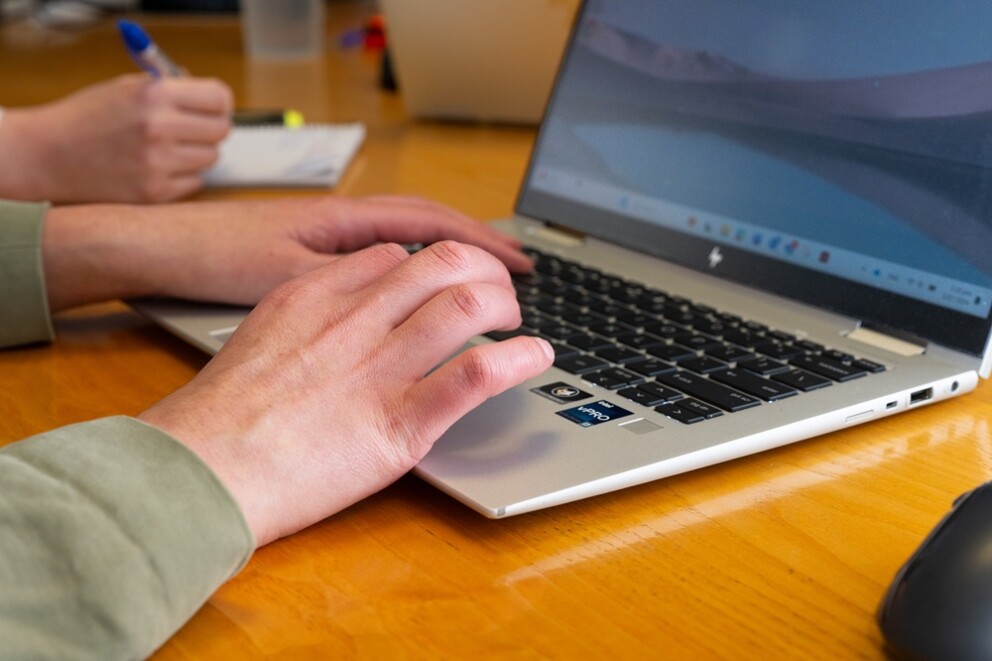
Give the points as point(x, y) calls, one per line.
point(234, 252)
point(339, 405)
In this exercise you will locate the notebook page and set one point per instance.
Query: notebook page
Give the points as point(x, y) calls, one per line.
point(315, 155)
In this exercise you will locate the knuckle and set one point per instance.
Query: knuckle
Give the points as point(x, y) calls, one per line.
point(478, 371)
point(151, 130)
point(469, 302)
point(390, 253)
point(285, 294)
point(144, 91)
point(454, 255)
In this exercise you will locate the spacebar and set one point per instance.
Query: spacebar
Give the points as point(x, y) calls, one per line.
point(708, 391)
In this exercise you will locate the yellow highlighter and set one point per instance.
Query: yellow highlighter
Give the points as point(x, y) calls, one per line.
point(247, 117)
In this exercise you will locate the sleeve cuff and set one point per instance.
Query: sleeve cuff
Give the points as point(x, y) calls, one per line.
point(119, 533)
point(24, 313)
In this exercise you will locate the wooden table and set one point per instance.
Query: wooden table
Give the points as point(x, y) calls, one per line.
point(781, 555)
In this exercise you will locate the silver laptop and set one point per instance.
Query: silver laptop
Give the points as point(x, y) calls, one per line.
point(754, 223)
point(477, 61)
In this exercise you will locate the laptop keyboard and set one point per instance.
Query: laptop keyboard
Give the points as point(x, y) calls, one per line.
point(688, 361)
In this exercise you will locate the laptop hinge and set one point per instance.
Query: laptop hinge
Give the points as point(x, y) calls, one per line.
point(897, 345)
point(559, 235)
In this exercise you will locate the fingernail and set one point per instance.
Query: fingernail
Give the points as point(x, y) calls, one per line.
point(546, 347)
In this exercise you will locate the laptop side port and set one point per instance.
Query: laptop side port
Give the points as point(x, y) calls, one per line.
point(920, 396)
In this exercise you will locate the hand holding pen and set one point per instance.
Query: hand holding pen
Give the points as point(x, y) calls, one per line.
point(136, 138)
point(151, 58)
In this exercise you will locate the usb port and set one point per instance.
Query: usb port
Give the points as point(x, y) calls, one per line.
point(920, 396)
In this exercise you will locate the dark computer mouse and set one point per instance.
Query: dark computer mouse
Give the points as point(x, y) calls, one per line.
point(939, 605)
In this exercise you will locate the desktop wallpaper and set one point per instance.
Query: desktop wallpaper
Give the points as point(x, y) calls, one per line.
point(860, 132)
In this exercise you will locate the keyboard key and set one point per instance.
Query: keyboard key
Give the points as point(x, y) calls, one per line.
point(557, 309)
point(665, 330)
point(709, 391)
point(696, 341)
point(589, 342)
point(810, 346)
point(752, 384)
point(781, 336)
point(639, 396)
point(837, 356)
point(777, 350)
point(562, 350)
point(828, 368)
point(660, 392)
point(605, 307)
point(559, 331)
point(650, 367)
point(868, 365)
point(613, 378)
point(614, 330)
point(617, 354)
point(671, 352)
point(641, 341)
point(642, 397)
point(710, 326)
point(635, 318)
point(729, 353)
point(580, 364)
point(702, 364)
point(763, 366)
point(754, 326)
point(801, 380)
point(579, 318)
point(688, 411)
point(742, 338)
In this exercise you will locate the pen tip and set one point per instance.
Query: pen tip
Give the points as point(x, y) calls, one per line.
point(133, 35)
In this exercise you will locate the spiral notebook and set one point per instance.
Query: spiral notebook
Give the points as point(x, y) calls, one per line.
point(315, 155)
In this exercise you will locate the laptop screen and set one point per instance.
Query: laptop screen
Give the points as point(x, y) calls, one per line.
point(837, 153)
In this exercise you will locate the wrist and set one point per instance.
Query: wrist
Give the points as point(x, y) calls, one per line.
point(25, 168)
point(93, 253)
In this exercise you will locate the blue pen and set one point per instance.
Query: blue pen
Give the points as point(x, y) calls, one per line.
point(145, 53)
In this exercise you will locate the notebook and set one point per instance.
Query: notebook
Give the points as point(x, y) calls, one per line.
point(476, 61)
point(314, 155)
point(754, 223)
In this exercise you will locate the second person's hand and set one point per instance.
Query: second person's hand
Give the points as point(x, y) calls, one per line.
point(129, 139)
point(235, 251)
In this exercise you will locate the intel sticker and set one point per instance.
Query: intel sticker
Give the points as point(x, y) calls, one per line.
point(595, 413)
point(561, 392)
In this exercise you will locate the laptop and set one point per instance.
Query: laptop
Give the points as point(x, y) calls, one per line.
point(477, 61)
point(754, 223)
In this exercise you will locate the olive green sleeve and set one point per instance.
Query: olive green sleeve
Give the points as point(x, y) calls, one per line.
point(112, 535)
point(24, 315)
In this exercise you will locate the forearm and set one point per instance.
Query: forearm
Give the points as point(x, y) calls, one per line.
point(228, 252)
point(99, 252)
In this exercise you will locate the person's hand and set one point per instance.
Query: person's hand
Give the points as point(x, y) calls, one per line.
point(130, 139)
point(325, 393)
point(234, 252)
